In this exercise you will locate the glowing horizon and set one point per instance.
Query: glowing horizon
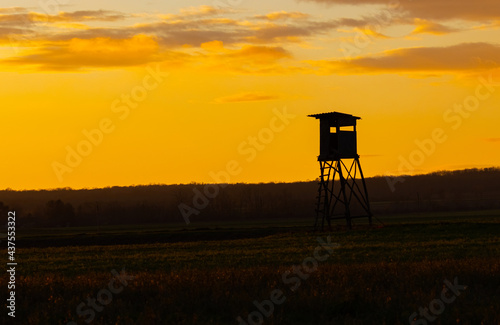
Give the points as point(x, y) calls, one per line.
point(121, 94)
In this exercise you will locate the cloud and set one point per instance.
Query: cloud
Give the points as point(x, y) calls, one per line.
point(260, 54)
point(249, 59)
point(87, 15)
point(197, 25)
point(478, 10)
point(282, 15)
point(191, 27)
point(103, 53)
point(27, 18)
point(12, 10)
point(271, 32)
point(252, 45)
point(20, 27)
point(197, 12)
point(9, 31)
point(78, 54)
point(458, 58)
point(428, 27)
point(246, 97)
point(194, 32)
point(368, 31)
point(495, 24)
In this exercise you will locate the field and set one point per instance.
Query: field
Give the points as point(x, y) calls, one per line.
point(269, 273)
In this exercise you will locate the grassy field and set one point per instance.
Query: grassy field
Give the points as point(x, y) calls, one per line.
point(213, 274)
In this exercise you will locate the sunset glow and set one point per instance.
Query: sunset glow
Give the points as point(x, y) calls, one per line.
point(119, 93)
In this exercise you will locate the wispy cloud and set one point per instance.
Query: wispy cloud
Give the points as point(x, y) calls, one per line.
point(249, 59)
point(23, 18)
point(197, 12)
point(12, 10)
point(77, 54)
point(428, 27)
point(478, 10)
point(462, 57)
point(282, 15)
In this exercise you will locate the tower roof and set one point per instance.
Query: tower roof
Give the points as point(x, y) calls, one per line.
point(334, 115)
point(337, 118)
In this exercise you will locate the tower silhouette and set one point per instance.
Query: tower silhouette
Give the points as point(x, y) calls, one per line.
point(342, 188)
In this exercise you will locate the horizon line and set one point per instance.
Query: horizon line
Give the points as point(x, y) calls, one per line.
point(8, 189)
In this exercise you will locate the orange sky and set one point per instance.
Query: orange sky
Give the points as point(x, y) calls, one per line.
point(124, 93)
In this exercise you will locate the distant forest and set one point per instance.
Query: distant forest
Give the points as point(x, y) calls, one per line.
point(470, 189)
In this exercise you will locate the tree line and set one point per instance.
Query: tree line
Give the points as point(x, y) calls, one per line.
point(441, 191)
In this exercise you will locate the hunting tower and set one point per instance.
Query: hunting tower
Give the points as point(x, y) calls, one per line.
point(339, 189)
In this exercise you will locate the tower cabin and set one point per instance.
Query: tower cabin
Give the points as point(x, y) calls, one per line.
point(337, 136)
